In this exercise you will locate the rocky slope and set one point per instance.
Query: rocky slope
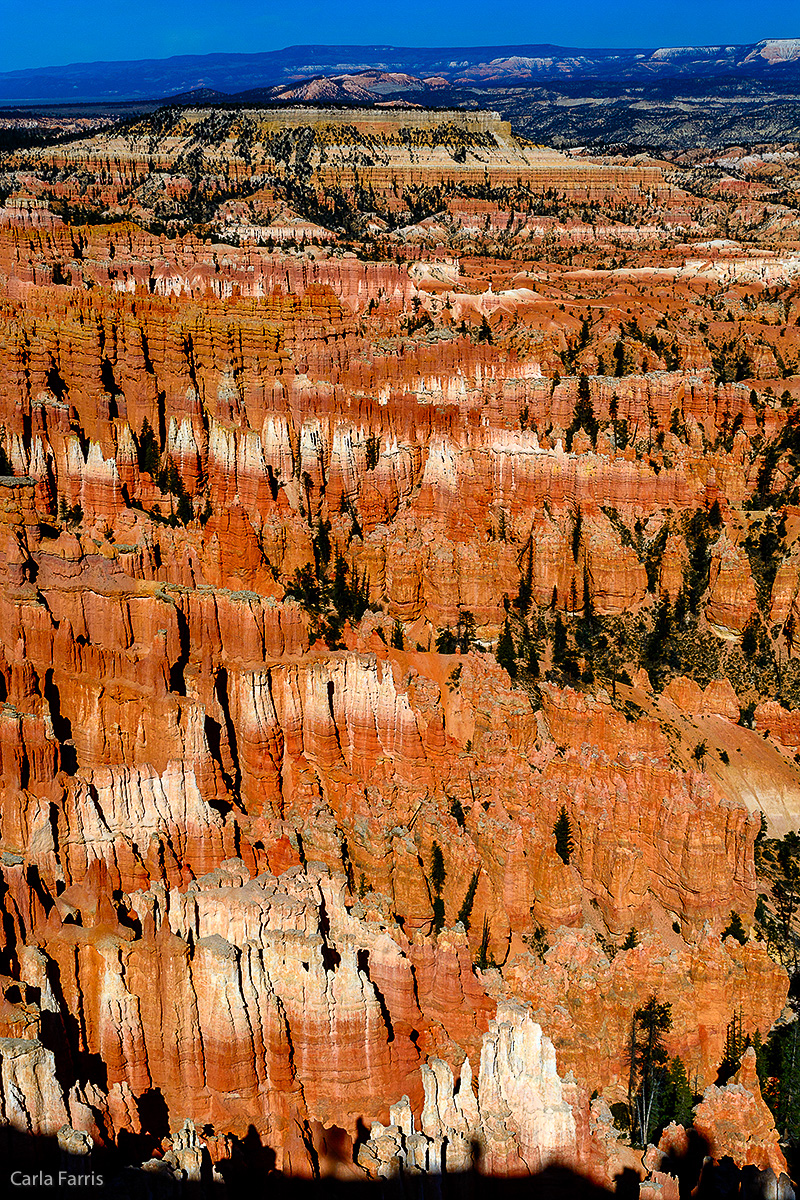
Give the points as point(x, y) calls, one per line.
point(675, 98)
point(435, 67)
point(277, 827)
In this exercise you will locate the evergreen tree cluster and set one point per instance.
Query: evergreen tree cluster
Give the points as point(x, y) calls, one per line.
point(166, 476)
point(519, 646)
point(698, 537)
point(648, 1067)
point(461, 638)
point(778, 1067)
point(666, 638)
point(331, 598)
point(779, 861)
point(660, 1090)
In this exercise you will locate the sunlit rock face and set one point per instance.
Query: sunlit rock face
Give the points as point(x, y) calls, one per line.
point(519, 1122)
point(277, 829)
point(737, 1122)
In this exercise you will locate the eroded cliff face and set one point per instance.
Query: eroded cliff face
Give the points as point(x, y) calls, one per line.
point(277, 828)
point(519, 1123)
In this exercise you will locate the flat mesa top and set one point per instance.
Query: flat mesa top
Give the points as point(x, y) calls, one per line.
point(481, 118)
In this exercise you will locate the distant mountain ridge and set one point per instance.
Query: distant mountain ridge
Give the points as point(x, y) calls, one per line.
point(422, 69)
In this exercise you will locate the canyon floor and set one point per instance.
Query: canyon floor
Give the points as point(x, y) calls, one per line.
point(399, 654)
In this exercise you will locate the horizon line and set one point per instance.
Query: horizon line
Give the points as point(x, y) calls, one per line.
point(721, 43)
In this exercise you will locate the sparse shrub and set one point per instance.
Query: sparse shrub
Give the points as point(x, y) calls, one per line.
point(536, 941)
point(454, 678)
point(699, 753)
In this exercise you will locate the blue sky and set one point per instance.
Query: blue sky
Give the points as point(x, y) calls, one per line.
point(52, 32)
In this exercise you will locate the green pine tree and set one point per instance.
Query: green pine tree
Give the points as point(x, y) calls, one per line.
point(340, 592)
point(483, 961)
point(562, 830)
point(735, 929)
point(525, 593)
point(648, 1060)
point(788, 1115)
point(149, 450)
point(322, 545)
point(735, 1044)
point(465, 911)
point(505, 652)
point(678, 1100)
point(438, 914)
point(762, 1065)
point(438, 872)
point(446, 641)
point(169, 480)
point(185, 509)
point(559, 641)
point(465, 630)
point(373, 446)
point(528, 652)
point(584, 417)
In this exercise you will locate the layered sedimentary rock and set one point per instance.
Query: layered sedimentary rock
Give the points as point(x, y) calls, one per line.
point(276, 826)
point(328, 147)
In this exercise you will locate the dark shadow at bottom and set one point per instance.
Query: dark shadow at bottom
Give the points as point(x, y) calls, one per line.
point(39, 1167)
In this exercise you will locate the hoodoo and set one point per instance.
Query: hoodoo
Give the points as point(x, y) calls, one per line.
point(399, 674)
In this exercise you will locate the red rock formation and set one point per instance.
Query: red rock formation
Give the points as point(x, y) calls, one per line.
point(736, 1122)
point(219, 799)
point(587, 1001)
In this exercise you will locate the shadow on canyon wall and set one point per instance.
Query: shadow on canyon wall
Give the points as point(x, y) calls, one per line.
point(37, 1166)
